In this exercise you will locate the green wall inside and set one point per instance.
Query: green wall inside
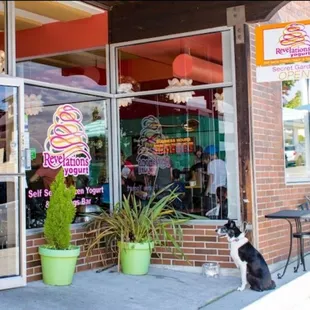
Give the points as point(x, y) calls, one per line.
point(206, 134)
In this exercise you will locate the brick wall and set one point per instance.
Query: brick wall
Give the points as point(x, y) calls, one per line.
point(272, 194)
point(200, 244)
point(100, 257)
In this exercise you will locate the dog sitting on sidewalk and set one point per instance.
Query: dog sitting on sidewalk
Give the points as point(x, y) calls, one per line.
point(253, 267)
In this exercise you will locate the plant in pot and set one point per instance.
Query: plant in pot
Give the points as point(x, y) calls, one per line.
point(137, 228)
point(58, 256)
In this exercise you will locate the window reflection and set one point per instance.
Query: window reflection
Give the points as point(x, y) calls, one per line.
point(68, 53)
point(190, 146)
point(148, 66)
point(296, 103)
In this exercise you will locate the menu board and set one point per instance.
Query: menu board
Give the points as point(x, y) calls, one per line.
point(175, 145)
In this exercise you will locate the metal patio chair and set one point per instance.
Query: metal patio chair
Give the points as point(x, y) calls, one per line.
point(302, 235)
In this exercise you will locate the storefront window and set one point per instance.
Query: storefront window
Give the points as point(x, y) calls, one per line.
point(192, 60)
point(59, 42)
point(65, 130)
point(296, 103)
point(2, 37)
point(189, 145)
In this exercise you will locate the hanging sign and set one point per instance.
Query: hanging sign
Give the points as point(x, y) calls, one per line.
point(175, 145)
point(66, 144)
point(283, 51)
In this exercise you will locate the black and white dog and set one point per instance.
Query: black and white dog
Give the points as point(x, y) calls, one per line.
point(254, 269)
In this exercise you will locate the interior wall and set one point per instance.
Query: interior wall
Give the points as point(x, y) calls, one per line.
point(272, 193)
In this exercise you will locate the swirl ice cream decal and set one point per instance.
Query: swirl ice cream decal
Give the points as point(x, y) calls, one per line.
point(295, 41)
point(66, 143)
point(286, 43)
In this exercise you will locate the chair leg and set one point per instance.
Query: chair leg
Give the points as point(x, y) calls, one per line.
point(298, 255)
point(302, 254)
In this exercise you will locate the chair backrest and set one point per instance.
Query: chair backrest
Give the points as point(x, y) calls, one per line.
point(305, 206)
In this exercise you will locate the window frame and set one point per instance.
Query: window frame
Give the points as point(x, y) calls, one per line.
point(228, 61)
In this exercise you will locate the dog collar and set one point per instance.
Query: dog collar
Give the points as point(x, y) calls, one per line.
point(237, 239)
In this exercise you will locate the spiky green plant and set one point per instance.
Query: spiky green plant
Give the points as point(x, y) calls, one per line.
point(60, 214)
point(157, 222)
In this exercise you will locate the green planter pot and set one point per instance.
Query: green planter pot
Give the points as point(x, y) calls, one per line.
point(135, 257)
point(58, 266)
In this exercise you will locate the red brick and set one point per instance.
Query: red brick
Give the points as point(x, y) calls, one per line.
point(37, 270)
point(29, 271)
point(39, 241)
point(77, 236)
point(217, 258)
point(216, 245)
point(205, 251)
point(205, 239)
point(36, 277)
point(29, 258)
point(193, 245)
point(182, 263)
point(160, 261)
point(33, 264)
point(83, 267)
point(32, 250)
point(96, 265)
point(194, 232)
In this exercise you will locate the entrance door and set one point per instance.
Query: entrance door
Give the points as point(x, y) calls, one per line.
point(13, 142)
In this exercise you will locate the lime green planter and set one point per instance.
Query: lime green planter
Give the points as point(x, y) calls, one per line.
point(135, 257)
point(58, 266)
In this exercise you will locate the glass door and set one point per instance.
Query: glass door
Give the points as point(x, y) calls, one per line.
point(13, 150)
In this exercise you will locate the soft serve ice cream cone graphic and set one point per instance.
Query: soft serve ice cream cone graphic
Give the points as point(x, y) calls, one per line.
point(66, 143)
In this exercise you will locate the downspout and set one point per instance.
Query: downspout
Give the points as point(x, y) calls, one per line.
point(255, 231)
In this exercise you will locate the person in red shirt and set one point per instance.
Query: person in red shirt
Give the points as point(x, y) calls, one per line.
point(48, 175)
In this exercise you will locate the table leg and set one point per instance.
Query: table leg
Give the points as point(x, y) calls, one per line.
point(299, 245)
point(302, 254)
point(280, 276)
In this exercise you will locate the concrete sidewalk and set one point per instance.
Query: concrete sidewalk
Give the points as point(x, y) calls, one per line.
point(239, 300)
point(161, 289)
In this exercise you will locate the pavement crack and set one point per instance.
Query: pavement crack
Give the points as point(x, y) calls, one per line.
point(167, 277)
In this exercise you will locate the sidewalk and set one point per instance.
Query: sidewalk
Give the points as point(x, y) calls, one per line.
point(240, 300)
point(161, 289)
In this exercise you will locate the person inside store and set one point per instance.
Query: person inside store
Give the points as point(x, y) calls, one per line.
point(217, 176)
point(221, 193)
point(127, 175)
point(198, 154)
point(139, 178)
point(47, 175)
point(179, 186)
point(163, 176)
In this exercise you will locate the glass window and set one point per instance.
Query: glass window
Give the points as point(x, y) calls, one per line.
point(65, 130)
point(59, 42)
point(9, 227)
point(193, 60)
point(191, 145)
point(2, 37)
point(296, 103)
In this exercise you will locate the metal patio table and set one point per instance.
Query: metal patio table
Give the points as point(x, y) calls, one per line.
point(297, 216)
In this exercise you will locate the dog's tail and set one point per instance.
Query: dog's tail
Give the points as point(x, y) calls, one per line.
point(272, 285)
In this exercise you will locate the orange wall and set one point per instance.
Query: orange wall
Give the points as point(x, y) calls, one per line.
point(62, 37)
